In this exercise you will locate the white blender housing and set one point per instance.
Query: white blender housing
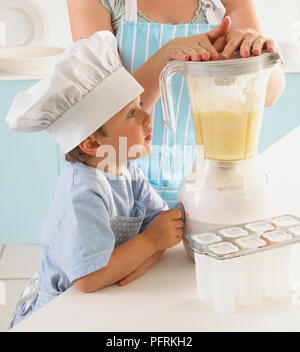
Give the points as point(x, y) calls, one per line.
point(226, 184)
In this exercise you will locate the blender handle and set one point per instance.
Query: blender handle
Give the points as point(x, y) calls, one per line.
point(165, 84)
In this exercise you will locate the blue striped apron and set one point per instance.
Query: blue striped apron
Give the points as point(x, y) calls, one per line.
point(172, 154)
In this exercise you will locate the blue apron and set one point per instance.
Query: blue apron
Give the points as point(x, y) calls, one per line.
point(172, 154)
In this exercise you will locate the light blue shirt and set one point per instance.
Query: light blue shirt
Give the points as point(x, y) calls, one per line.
point(76, 238)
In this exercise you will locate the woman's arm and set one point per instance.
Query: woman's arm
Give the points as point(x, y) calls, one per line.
point(242, 13)
point(244, 16)
point(195, 48)
point(90, 16)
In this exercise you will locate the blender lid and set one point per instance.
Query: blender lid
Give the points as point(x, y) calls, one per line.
point(234, 66)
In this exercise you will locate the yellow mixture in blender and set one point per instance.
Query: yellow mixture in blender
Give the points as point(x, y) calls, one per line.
point(227, 135)
point(227, 114)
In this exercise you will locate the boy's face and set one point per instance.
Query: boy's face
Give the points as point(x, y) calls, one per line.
point(133, 124)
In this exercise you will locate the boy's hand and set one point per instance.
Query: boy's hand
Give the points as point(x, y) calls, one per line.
point(166, 230)
point(248, 40)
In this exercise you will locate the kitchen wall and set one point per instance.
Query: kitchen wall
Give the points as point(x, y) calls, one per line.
point(277, 17)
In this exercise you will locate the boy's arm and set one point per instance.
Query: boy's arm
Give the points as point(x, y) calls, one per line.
point(164, 232)
point(124, 260)
point(141, 269)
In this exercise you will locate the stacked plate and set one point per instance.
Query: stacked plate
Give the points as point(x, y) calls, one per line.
point(23, 39)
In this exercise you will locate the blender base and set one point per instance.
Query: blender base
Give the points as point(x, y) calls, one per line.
point(223, 195)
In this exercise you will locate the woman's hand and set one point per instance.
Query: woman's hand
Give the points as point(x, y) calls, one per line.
point(198, 47)
point(247, 40)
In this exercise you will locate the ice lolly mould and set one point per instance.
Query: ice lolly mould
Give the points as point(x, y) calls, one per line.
point(242, 264)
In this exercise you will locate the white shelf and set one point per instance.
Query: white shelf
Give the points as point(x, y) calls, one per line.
point(37, 76)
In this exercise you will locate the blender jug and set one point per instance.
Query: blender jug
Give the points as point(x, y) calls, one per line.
point(227, 102)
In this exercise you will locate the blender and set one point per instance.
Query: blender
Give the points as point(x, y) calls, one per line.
point(225, 185)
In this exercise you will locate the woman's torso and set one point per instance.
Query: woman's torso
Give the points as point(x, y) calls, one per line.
point(148, 12)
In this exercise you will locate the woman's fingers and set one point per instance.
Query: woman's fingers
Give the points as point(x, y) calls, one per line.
point(190, 53)
point(258, 45)
point(198, 47)
point(201, 54)
point(220, 30)
point(270, 45)
point(179, 55)
point(248, 41)
point(195, 55)
point(245, 49)
point(220, 43)
point(207, 46)
point(205, 43)
point(233, 44)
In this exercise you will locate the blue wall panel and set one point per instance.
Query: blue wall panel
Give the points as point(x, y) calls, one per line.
point(28, 174)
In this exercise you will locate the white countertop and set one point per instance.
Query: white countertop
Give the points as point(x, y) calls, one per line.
point(164, 298)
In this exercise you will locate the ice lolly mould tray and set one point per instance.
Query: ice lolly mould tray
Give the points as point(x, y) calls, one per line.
point(242, 264)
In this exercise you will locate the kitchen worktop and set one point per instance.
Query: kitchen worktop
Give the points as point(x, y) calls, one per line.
point(164, 298)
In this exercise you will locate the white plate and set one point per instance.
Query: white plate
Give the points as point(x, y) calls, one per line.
point(22, 60)
point(22, 24)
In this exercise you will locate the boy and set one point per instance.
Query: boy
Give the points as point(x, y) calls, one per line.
point(105, 223)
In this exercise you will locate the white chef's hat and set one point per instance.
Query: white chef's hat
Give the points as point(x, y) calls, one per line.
point(87, 87)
